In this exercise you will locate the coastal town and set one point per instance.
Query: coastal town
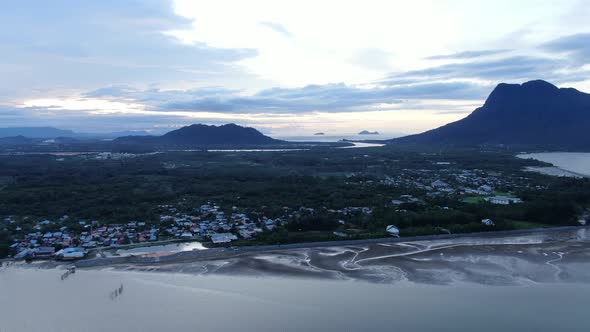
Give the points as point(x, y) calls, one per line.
point(67, 238)
point(207, 223)
point(467, 185)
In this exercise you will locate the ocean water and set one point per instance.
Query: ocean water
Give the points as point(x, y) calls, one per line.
point(577, 162)
point(334, 138)
point(38, 300)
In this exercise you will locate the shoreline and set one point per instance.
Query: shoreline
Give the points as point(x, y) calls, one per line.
point(554, 170)
point(233, 252)
point(507, 258)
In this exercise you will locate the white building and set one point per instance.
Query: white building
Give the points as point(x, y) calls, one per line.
point(223, 238)
point(486, 188)
point(488, 222)
point(70, 254)
point(392, 230)
point(186, 235)
point(503, 200)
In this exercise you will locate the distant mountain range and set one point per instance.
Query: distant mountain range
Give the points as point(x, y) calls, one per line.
point(36, 132)
point(534, 113)
point(15, 140)
point(51, 132)
point(203, 135)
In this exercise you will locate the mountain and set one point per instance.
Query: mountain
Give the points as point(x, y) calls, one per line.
point(51, 132)
point(534, 113)
point(35, 132)
point(366, 132)
point(202, 135)
point(15, 140)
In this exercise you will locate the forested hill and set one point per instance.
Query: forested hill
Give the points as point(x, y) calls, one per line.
point(199, 134)
point(534, 113)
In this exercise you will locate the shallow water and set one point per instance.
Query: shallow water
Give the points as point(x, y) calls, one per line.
point(335, 138)
point(577, 162)
point(160, 249)
point(37, 300)
point(551, 256)
point(362, 145)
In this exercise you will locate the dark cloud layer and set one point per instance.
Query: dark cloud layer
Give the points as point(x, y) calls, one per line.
point(510, 68)
point(311, 98)
point(576, 46)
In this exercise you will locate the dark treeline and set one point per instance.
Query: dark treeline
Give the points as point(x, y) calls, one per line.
point(35, 187)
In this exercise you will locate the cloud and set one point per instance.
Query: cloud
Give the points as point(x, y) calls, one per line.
point(466, 54)
point(312, 98)
point(126, 65)
point(57, 44)
point(575, 46)
point(373, 58)
point(498, 70)
point(85, 120)
point(468, 80)
point(276, 27)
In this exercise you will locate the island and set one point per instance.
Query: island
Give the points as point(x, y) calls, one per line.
point(366, 132)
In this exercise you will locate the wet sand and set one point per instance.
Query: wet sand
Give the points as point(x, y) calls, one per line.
point(541, 257)
point(568, 164)
point(534, 282)
point(554, 171)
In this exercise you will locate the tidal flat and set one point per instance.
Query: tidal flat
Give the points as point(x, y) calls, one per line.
point(536, 257)
point(539, 281)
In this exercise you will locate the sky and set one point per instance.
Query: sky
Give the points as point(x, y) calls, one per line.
point(287, 68)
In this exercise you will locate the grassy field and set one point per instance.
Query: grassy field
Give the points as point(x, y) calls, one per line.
point(473, 199)
point(500, 193)
point(479, 199)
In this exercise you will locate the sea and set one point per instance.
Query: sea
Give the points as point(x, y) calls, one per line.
point(335, 138)
point(103, 300)
point(575, 162)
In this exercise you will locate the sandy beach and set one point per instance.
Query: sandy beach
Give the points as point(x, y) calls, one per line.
point(568, 164)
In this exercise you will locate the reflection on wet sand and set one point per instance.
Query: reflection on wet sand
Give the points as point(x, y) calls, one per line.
point(562, 256)
point(541, 283)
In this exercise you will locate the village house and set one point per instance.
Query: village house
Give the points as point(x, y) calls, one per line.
point(503, 200)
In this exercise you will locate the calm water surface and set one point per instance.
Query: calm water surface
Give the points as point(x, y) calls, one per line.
point(38, 300)
point(578, 162)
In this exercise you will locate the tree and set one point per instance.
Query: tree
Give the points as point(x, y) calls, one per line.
point(4, 249)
